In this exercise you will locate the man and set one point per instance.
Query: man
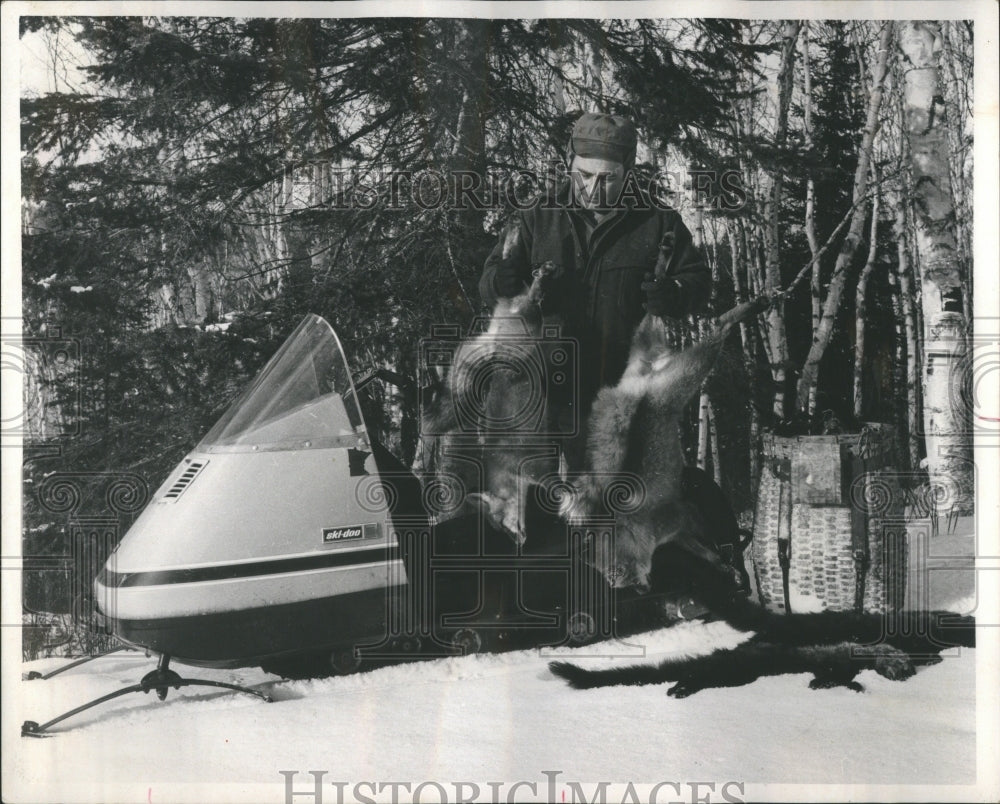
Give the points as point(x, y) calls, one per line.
point(605, 243)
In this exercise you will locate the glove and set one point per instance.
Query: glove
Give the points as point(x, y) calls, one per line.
point(507, 280)
point(547, 276)
point(664, 296)
point(547, 273)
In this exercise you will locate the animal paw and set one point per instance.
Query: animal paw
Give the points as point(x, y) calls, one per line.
point(511, 523)
point(685, 688)
point(893, 663)
point(576, 676)
point(584, 501)
point(829, 683)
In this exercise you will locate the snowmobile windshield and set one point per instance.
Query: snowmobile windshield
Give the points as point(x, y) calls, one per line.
point(302, 399)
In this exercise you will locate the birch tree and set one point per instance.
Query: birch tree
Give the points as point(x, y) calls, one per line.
point(815, 292)
point(772, 274)
point(861, 311)
point(946, 427)
point(822, 336)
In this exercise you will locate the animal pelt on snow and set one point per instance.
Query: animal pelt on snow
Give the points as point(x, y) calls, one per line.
point(864, 642)
point(833, 646)
point(834, 665)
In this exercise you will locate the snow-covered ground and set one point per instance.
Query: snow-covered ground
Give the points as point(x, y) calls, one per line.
point(502, 719)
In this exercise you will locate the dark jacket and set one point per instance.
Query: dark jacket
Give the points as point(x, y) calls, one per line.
point(599, 295)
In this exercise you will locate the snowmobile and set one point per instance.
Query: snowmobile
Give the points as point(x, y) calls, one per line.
point(290, 539)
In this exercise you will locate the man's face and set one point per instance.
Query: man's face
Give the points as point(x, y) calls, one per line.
point(597, 183)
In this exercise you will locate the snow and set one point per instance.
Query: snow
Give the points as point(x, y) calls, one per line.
point(501, 718)
point(504, 717)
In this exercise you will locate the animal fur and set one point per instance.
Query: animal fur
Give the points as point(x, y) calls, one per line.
point(633, 435)
point(833, 646)
point(846, 645)
point(488, 384)
point(831, 665)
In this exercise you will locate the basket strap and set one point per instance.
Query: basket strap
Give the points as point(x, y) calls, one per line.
point(784, 559)
point(859, 539)
point(785, 539)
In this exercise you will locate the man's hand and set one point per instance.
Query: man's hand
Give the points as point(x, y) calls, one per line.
point(547, 273)
point(664, 296)
point(546, 277)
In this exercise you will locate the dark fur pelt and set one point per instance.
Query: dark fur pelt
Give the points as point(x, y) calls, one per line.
point(834, 665)
point(833, 646)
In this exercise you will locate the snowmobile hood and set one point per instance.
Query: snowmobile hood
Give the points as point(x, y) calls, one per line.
point(287, 472)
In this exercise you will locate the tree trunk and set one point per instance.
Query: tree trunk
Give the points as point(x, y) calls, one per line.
point(592, 63)
point(946, 425)
point(900, 394)
point(957, 96)
point(704, 402)
point(714, 445)
point(823, 335)
point(908, 303)
point(810, 211)
point(778, 352)
point(703, 427)
point(749, 351)
point(558, 83)
point(468, 151)
point(860, 311)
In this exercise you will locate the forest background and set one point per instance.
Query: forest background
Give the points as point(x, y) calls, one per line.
point(193, 186)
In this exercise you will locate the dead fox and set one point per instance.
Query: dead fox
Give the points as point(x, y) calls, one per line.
point(633, 435)
point(490, 410)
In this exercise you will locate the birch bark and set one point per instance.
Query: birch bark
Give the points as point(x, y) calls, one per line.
point(946, 425)
point(775, 328)
point(838, 281)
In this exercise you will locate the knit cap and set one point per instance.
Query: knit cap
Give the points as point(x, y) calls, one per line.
point(604, 136)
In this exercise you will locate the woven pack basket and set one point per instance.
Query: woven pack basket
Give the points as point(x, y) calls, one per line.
point(829, 530)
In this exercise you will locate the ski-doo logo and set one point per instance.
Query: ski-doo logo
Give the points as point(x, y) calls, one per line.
point(349, 533)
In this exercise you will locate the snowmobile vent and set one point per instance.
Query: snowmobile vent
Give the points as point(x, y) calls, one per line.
point(186, 479)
